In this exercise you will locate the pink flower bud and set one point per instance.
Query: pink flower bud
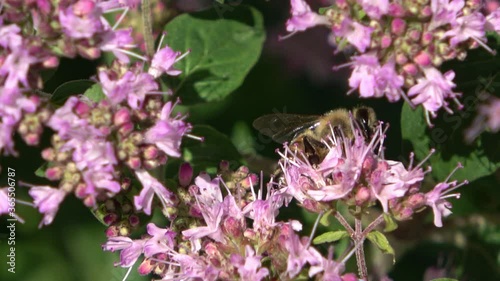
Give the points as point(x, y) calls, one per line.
point(416, 201)
point(53, 173)
point(232, 228)
point(401, 58)
point(83, 7)
point(121, 117)
point(362, 196)
point(126, 129)
point(151, 152)
point(398, 26)
point(112, 231)
point(349, 277)
point(249, 181)
point(51, 62)
point(426, 11)
point(48, 154)
point(134, 220)
point(31, 139)
point(385, 41)
point(82, 109)
point(134, 163)
point(410, 68)
point(427, 38)
point(89, 201)
point(110, 218)
point(145, 267)
point(414, 34)
point(422, 59)
point(185, 174)
point(396, 10)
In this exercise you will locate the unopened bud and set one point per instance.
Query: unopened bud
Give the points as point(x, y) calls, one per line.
point(398, 26)
point(53, 173)
point(185, 174)
point(121, 117)
point(422, 59)
point(416, 201)
point(362, 196)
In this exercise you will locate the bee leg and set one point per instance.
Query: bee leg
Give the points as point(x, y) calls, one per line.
point(310, 149)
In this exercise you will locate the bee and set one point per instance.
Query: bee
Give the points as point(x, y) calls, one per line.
point(306, 132)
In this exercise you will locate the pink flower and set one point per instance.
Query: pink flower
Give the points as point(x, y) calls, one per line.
point(364, 74)
point(151, 187)
point(303, 18)
point(493, 21)
point(15, 67)
point(167, 133)
point(432, 90)
point(130, 249)
point(163, 62)
point(47, 200)
point(436, 198)
point(66, 123)
point(210, 203)
point(81, 20)
point(357, 34)
point(116, 41)
point(375, 9)
point(299, 253)
point(162, 240)
point(250, 266)
point(444, 12)
point(470, 26)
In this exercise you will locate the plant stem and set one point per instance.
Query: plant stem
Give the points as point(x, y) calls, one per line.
point(372, 225)
point(147, 22)
point(345, 224)
point(360, 253)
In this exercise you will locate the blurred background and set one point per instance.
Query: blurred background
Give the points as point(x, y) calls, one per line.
point(292, 76)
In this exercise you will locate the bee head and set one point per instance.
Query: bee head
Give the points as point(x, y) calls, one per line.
point(366, 120)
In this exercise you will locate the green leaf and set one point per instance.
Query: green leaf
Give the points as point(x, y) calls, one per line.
point(40, 172)
point(479, 159)
point(95, 93)
point(379, 239)
point(390, 224)
point(444, 279)
point(68, 89)
point(325, 218)
point(330, 236)
point(223, 51)
point(206, 155)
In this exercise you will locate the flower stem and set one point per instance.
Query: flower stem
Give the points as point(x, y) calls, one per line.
point(345, 224)
point(147, 27)
point(372, 225)
point(360, 253)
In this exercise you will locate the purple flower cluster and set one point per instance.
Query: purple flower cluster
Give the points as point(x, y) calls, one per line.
point(33, 35)
point(401, 45)
point(93, 141)
point(353, 173)
point(226, 237)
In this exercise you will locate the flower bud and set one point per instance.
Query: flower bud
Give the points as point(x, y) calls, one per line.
point(82, 109)
point(249, 181)
point(54, 173)
point(151, 152)
point(362, 196)
point(83, 7)
point(48, 154)
point(134, 163)
point(422, 59)
point(416, 201)
point(426, 12)
point(51, 62)
point(410, 69)
point(110, 218)
point(112, 231)
point(145, 267)
point(396, 10)
point(134, 221)
point(385, 41)
point(185, 174)
point(121, 117)
point(398, 26)
point(427, 38)
point(231, 227)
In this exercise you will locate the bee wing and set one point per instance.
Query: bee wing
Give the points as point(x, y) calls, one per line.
point(282, 127)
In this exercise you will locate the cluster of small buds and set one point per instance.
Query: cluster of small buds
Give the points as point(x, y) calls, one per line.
point(401, 45)
point(119, 215)
point(353, 173)
point(219, 242)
